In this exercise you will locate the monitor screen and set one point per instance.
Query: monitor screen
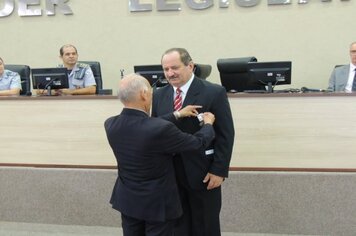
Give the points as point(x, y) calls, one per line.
point(50, 78)
point(270, 74)
point(153, 73)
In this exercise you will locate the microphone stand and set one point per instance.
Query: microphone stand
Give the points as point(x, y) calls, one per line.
point(48, 86)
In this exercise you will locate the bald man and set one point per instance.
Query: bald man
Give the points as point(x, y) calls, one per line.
point(145, 191)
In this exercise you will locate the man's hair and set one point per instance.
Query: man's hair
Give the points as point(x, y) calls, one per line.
point(130, 87)
point(183, 53)
point(61, 50)
point(1, 60)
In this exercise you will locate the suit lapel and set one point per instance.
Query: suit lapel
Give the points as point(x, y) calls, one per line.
point(345, 76)
point(168, 99)
point(193, 92)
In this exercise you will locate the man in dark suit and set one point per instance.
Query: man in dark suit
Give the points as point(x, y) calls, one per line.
point(199, 173)
point(145, 191)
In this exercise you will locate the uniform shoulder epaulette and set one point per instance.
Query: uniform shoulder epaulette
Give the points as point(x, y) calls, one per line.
point(82, 65)
point(10, 73)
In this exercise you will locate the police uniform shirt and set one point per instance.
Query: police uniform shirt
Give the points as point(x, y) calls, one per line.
point(81, 76)
point(10, 80)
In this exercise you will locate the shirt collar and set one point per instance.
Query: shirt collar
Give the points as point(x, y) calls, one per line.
point(352, 67)
point(186, 86)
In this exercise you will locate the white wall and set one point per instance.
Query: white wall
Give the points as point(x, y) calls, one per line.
point(315, 36)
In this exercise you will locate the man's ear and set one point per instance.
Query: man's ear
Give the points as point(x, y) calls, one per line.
point(143, 95)
point(191, 65)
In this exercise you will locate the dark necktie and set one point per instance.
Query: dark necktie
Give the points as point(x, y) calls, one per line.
point(178, 100)
point(354, 83)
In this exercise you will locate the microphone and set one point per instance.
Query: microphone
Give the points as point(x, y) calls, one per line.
point(48, 86)
point(305, 90)
point(160, 82)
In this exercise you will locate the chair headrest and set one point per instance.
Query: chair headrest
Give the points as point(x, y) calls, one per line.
point(202, 70)
point(234, 65)
point(23, 70)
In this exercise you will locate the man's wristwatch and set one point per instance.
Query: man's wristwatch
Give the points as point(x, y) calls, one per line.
point(176, 114)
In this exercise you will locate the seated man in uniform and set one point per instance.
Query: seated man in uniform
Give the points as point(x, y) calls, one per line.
point(10, 82)
point(80, 76)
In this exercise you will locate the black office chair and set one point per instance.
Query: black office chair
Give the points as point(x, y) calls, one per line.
point(95, 67)
point(202, 70)
point(234, 74)
point(25, 72)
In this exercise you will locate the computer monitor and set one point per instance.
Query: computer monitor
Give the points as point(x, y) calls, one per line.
point(50, 78)
point(234, 76)
point(270, 74)
point(153, 73)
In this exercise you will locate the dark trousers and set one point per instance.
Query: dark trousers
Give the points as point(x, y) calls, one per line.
point(201, 209)
point(136, 227)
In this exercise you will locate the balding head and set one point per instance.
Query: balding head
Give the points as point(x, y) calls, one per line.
point(61, 50)
point(353, 53)
point(135, 92)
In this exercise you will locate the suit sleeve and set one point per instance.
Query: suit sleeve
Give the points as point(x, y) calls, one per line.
point(331, 86)
point(224, 134)
point(174, 140)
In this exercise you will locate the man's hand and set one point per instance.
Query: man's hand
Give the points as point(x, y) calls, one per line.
point(190, 110)
point(40, 92)
point(209, 118)
point(64, 91)
point(214, 181)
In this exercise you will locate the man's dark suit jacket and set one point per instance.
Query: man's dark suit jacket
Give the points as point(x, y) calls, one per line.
point(143, 146)
point(213, 98)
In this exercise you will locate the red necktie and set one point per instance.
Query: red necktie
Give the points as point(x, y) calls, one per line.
point(178, 100)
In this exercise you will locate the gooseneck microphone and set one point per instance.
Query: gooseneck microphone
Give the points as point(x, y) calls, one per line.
point(160, 82)
point(305, 90)
point(48, 86)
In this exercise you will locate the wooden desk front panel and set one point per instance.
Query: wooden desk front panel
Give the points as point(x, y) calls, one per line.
point(56, 131)
point(286, 132)
point(295, 132)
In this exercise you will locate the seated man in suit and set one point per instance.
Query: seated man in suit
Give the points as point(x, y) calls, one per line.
point(80, 76)
point(10, 82)
point(343, 78)
point(145, 191)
